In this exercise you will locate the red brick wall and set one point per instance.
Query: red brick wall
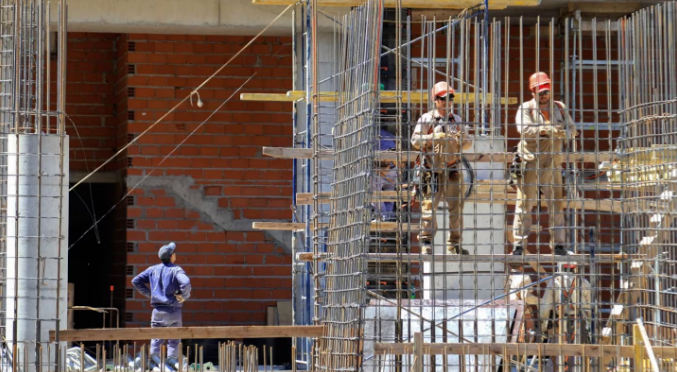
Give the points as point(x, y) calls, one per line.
point(90, 98)
point(218, 175)
point(120, 163)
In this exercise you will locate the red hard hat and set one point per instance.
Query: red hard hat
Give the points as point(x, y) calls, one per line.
point(441, 89)
point(539, 80)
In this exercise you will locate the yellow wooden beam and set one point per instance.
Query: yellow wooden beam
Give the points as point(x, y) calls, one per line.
point(419, 96)
point(414, 4)
point(266, 97)
point(605, 7)
point(386, 96)
point(305, 153)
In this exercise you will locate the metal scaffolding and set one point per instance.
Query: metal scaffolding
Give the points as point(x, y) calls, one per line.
point(588, 202)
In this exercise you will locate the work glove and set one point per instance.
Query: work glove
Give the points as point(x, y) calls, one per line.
point(441, 136)
point(553, 132)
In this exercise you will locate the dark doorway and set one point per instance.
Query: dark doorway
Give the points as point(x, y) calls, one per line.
point(90, 257)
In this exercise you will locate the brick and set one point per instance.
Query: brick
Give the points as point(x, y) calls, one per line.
point(212, 190)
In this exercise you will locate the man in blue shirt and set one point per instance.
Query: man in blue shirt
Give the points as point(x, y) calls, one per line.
point(169, 288)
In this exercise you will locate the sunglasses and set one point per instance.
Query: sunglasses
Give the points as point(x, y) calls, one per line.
point(451, 98)
point(543, 93)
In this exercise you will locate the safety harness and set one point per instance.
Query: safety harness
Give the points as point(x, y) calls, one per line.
point(429, 178)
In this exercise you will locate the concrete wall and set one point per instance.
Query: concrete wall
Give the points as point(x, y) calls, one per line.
point(204, 17)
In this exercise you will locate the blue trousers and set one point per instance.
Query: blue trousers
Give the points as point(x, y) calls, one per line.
point(165, 318)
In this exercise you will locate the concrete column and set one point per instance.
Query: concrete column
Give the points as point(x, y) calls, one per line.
point(484, 233)
point(37, 241)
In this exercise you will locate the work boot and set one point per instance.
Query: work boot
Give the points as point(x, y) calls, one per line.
point(560, 251)
point(518, 250)
point(455, 248)
point(426, 246)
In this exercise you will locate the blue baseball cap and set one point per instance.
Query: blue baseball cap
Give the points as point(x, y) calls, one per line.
point(166, 251)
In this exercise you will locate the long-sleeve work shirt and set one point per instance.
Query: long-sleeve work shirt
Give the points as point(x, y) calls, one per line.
point(166, 280)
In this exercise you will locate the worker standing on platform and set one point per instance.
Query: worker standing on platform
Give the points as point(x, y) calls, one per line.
point(440, 136)
point(384, 179)
point(544, 126)
point(169, 288)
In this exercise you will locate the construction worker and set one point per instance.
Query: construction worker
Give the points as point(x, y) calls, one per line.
point(169, 288)
point(385, 179)
point(440, 136)
point(564, 291)
point(538, 163)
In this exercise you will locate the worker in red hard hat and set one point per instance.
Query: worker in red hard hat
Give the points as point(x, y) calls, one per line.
point(544, 125)
point(440, 136)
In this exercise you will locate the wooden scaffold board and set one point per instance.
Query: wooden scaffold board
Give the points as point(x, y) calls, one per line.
point(385, 96)
point(414, 4)
point(232, 332)
point(580, 259)
point(305, 153)
point(591, 351)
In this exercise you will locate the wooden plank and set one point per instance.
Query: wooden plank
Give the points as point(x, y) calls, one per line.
point(304, 153)
point(375, 226)
point(581, 259)
point(300, 226)
point(111, 334)
point(390, 96)
point(418, 352)
point(279, 226)
point(605, 7)
point(381, 348)
point(647, 344)
point(266, 97)
point(414, 4)
point(497, 197)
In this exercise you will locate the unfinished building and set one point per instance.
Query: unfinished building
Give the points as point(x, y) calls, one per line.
point(441, 218)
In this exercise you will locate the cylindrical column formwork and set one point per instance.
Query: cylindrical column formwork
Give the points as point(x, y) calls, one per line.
point(37, 250)
point(649, 162)
point(34, 179)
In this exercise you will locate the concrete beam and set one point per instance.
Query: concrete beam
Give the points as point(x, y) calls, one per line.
point(203, 17)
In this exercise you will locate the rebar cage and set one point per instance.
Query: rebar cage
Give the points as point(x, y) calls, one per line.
point(581, 183)
point(33, 184)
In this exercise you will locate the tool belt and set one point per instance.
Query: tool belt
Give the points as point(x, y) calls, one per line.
point(426, 181)
point(515, 168)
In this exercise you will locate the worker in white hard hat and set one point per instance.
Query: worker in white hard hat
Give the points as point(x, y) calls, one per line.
point(440, 136)
point(538, 163)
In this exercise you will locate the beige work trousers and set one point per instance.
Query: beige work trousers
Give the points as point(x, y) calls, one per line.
point(453, 192)
point(546, 174)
